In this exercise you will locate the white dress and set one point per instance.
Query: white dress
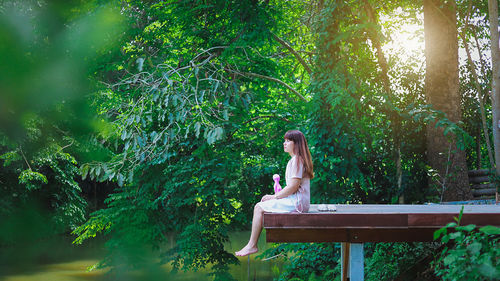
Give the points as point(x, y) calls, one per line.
point(297, 202)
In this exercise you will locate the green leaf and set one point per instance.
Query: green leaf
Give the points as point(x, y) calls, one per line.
point(488, 270)
point(120, 179)
point(32, 180)
point(197, 127)
point(449, 259)
point(84, 170)
point(455, 235)
point(490, 230)
point(447, 129)
point(460, 215)
point(98, 170)
point(124, 135)
point(474, 247)
point(439, 232)
point(467, 228)
point(445, 239)
point(451, 224)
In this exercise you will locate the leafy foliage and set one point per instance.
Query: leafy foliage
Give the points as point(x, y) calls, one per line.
point(390, 260)
point(470, 253)
point(352, 118)
point(308, 261)
point(49, 176)
point(44, 111)
point(187, 116)
point(189, 143)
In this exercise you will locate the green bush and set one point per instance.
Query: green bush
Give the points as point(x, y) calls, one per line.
point(307, 261)
point(470, 253)
point(389, 260)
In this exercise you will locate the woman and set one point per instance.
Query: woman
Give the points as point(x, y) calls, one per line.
point(294, 197)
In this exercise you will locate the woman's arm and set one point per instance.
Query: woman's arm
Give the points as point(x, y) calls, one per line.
point(285, 192)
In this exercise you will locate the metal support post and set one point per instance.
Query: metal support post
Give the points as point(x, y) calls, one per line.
point(352, 266)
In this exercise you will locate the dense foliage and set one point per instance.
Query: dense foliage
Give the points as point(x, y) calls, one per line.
point(389, 261)
point(190, 146)
point(470, 253)
point(44, 110)
point(308, 261)
point(184, 112)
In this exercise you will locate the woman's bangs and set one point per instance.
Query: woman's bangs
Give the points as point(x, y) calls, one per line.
point(292, 135)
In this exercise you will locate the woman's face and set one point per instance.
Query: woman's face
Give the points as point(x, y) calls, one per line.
point(288, 146)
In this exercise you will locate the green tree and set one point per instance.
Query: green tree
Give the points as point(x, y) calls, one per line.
point(189, 111)
point(44, 55)
point(196, 110)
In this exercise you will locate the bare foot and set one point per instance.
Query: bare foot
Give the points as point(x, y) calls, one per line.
point(247, 250)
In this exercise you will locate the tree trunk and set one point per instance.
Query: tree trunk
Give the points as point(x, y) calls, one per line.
point(442, 92)
point(495, 87)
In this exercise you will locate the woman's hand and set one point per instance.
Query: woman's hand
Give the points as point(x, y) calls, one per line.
point(268, 197)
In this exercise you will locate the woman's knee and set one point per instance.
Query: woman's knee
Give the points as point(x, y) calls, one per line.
point(257, 209)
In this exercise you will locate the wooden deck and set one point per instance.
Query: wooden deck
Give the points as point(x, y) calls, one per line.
point(373, 223)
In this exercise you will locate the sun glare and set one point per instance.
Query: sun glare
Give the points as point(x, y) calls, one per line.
point(404, 38)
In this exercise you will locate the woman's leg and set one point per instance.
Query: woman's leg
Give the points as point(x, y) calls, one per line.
point(251, 246)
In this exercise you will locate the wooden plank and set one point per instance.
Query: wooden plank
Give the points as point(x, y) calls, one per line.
point(355, 235)
point(479, 179)
point(482, 172)
point(373, 223)
point(406, 209)
point(375, 220)
point(344, 254)
point(482, 192)
point(440, 220)
point(335, 220)
point(483, 186)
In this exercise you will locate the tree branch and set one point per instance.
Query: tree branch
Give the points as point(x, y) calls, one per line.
point(25, 160)
point(288, 47)
point(266, 116)
point(274, 80)
point(373, 35)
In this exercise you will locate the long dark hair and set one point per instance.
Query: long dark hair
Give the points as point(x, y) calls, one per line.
point(301, 151)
